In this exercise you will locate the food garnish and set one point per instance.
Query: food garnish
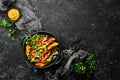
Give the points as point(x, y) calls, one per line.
point(5, 23)
point(86, 67)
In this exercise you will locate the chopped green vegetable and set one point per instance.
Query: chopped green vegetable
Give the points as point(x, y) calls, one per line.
point(56, 49)
point(34, 37)
point(90, 58)
point(36, 45)
point(5, 23)
point(11, 32)
point(86, 67)
point(80, 67)
point(27, 39)
point(91, 67)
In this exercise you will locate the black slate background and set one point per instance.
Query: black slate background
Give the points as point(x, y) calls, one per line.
point(95, 21)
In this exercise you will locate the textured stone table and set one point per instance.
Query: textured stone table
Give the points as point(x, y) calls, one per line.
point(95, 21)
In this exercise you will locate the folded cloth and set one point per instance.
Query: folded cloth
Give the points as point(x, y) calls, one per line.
point(4, 4)
point(29, 20)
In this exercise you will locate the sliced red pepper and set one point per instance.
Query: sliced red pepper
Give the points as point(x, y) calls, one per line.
point(39, 42)
point(51, 40)
point(46, 56)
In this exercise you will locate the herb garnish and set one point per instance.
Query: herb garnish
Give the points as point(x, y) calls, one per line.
point(86, 67)
point(5, 23)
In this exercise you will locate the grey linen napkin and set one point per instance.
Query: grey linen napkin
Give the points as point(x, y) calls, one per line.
point(29, 20)
point(4, 4)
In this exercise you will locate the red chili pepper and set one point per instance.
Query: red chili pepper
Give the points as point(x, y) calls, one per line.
point(32, 55)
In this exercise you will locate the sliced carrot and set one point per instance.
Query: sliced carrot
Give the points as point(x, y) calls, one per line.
point(51, 40)
point(46, 51)
point(40, 64)
point(40, 59)
point(39, 42)
point(46, 56)
point(32, 55)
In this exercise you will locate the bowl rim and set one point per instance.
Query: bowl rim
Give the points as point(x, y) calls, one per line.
point(47, 66)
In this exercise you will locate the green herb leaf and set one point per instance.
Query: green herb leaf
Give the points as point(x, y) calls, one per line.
point(27, 39)
point(11, 32)
point(90, 58)
point(5, 23)
point(86, 67)
point(79, 67)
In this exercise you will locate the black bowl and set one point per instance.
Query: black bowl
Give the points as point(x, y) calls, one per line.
point(56, 61)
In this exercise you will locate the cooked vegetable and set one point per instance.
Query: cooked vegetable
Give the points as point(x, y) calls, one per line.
point(52, 45)
point(51, 40)
point(41, 49)
point(28, 48)
point(46, 56)
point(45, 39)
point(49, 59)
point(40, 64)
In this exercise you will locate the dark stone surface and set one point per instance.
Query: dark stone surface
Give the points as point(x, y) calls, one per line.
point(95, 21)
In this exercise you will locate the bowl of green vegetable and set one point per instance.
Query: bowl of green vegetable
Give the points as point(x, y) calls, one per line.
point(41, 50)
